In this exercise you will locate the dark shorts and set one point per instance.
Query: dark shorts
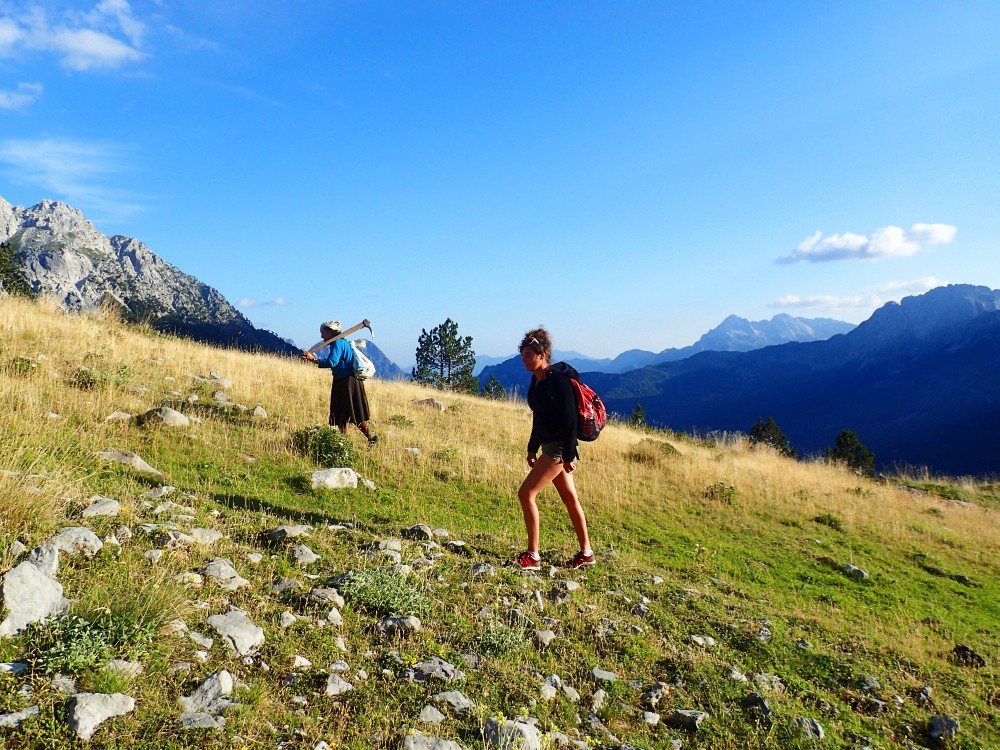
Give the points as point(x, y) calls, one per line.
point(348, 402)
point(554, 451)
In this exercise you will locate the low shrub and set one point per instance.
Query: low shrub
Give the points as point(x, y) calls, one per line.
point(499, 639)
point(325, 446)
point(382, 591)
point(828, 519)
point(721, 492)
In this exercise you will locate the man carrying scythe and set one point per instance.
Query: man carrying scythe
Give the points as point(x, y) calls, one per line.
point(348, 401)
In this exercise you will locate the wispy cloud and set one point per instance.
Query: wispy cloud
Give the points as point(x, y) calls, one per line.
point(247, 302)
point(888, 242)
point(107, 36)
point(82, 173)
point(867, 299)
point(22, 98)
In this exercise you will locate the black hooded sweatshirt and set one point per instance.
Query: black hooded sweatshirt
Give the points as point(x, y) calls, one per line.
point(553, 410)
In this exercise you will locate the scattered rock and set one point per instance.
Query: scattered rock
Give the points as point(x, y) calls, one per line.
point(30, 596)
point(282, 533)
point(653, 696)
point(129, 459)
point(302, 555)
point(326, 595)
point(855, 572)
point(118, 416)
point(483, 569)
point(511, 735)
point(399, 626)
point(458, 703)
point(201, 720)
point(543, 638)
point(430, 403)
point(428, 715)
point(163, 415)
point(15, 719)
point(212, 696)
point(173, 540)
point(757, 706)
point(942, 728)
point(810, 728)
point(335, 479)
point(206, 537)
point(687, 719)
point(238, 631)
point(601, 676)
point(965, 655)
point(77, 540)
point(414, 740)
point(87, 711)
point(221, 570)
point(435, 668)
point(101, 506)
point(336, 685)
point(420, 532)
point(650, 719)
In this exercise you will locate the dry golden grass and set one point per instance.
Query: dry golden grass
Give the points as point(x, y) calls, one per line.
point(477, 439)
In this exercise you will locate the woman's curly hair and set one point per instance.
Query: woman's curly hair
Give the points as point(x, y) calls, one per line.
point(538, 341)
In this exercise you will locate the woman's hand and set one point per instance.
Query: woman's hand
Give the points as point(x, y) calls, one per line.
point(309, 356)
point(568, 466)
point(531, 459)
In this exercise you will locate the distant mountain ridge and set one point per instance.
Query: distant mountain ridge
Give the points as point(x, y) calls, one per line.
point(64, 257)
point(734, 334)
point(917, 381)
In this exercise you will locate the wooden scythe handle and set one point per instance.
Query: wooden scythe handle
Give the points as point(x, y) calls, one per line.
point(326, 342)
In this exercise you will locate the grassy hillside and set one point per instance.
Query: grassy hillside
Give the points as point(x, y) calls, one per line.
point(694, 538)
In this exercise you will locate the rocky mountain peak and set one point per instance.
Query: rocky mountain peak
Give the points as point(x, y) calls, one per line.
point(66, 258)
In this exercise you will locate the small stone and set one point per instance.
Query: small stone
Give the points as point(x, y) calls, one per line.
point(543, 638)
point(650, 719)
point(430, 715)
point(602, 676)
point(420, 531)
point(483, 569)
point(332, 479)
point(287, 619)
point(15, 719)
point(238, 631)
point(598, 700)
point(336, 685)
point(302, 555)
point(456, 701)
point(101, 506)
point(855, 572)
point(943, 728)
point(687, 719)
point(810, 728)
point(206, 537)
point(87, 711)
point(397, 626)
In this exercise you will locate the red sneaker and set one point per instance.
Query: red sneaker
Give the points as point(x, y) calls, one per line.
point(580, 560)
point(525, 561)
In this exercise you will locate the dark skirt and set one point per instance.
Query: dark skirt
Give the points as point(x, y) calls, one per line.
point(348, 402)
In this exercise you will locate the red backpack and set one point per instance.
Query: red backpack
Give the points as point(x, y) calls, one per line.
point(591, 415)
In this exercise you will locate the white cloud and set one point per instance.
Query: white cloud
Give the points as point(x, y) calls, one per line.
point(25, 95)
point(868, 299)
point(80, 172)
point(247, 302)
point(887, 242)
point(82, 41)
point(86, 49)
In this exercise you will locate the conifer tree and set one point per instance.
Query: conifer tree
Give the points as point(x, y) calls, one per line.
point(445, 360)
point(638, 418)
point(493, 389)
point(852, 452)
point(768, 433)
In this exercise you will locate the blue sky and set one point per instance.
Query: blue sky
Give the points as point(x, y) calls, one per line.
point(626, 173)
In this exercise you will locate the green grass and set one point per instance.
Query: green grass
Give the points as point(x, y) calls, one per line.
point(733, 555)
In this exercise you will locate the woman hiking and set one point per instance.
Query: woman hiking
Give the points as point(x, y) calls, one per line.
point(348, 401)
point(553, 429)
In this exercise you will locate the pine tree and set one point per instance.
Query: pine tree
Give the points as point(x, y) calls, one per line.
point(852, 452)
point(445, 360)
point(638, 418)
point(768, 433)
point(493, 389)
point(12, 277)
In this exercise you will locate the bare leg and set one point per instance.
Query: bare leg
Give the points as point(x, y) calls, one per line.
point(566, 488)
point(543, 472)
